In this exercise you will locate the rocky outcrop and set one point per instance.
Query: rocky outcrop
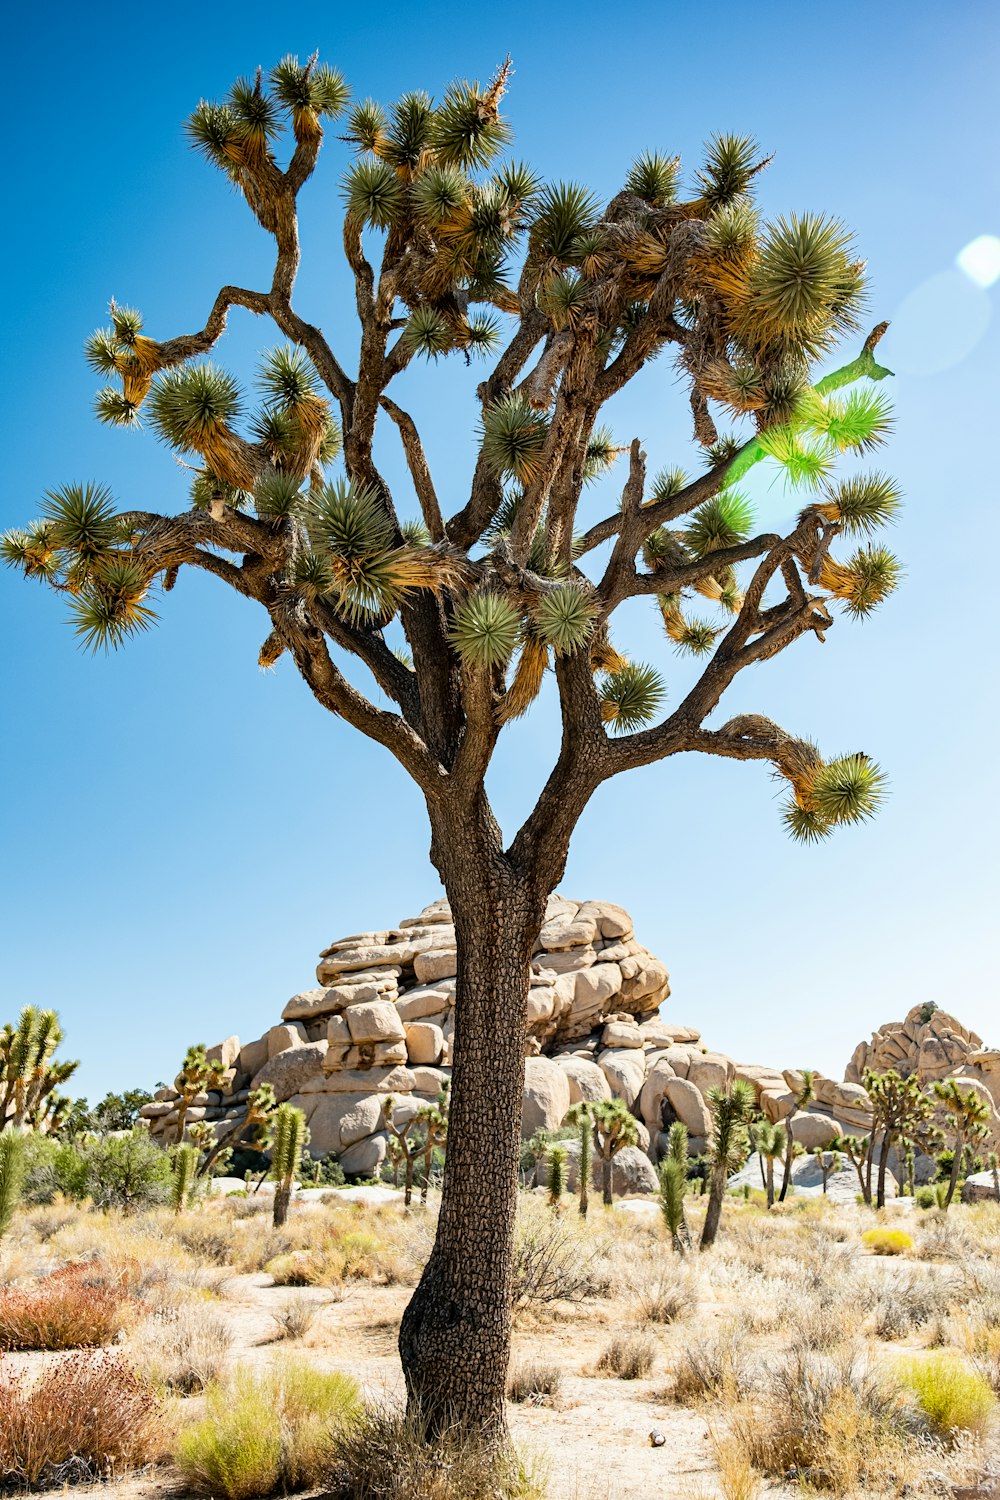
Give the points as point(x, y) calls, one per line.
point(381, 1022)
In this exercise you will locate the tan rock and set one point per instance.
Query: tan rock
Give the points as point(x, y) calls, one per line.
point(366, 1157)
point(253, 1056)
point(586, 1079)
point(281, 1038)
point(429, 1080)
point(426, 1000)
point(614, 921)
point(287, 1071)
point(225, 1052)
point(710, 1070)
point(625, 1070)
point(545, 1099)
point(375, 1021)
point(436, 963)
point(688, 1105)
point(434, 915)
point(566, 962)
point(567, 932)
point(653, 1093)
point(813, 1131)
point(424, 1043)
point(621, 1034)
point(395, 1080)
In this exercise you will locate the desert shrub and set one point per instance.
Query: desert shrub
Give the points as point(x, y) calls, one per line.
point(124, 1172)
point(711, 1367)
point(384, 1456)
point(268, 1431)
point(207, 1236)
point(299, 1268)
point(667, 1296)
point(629, 1356)
point(551, 1262)
point(982, 1344)
point(883, 1241)
point(294, 1317)
point(535, 1382)
point(183, 1349)
point(738, 1479)
point(941, 1239)
point(953, 1397)
point(87, 1417)
point(904, 1303)
point(73, 1308)
point(925, 1196)
point(838, 1419)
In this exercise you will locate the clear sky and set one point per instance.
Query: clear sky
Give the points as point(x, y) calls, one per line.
point(182, 833)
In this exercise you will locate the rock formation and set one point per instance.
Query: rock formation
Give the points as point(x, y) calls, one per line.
point(381, 1022)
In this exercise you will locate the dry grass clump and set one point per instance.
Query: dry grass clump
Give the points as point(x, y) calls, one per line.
point(953, 1397)
point(182, 1349)
point(266, 1432)
point(835, 1421)
point(629, 1356)
point(940, 1238)
point(667, 1295)
point(85, 1418)
point(76, 1307)
point(383, 1456)
point(715, 1366)
point(882, 1241)
point(738, 1479)
point(906, 1302)
point(553, 1261)
point(295, 1316)
point(534, 1382)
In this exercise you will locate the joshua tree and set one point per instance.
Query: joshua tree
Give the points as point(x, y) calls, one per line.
point(968, 1116)
point(581, 1117)
point(803, 1096)
point(185, 1166)
point(771, 1142)
point(993, 1162)
point(289, 1137)
point(673, 1186)
point(572, 299)
point(557, 1173)
point(901, 1111)
point(12, 1169)
point(197, 1074)
point(434, 1119)
point(827, 1161)
point(28, 1072)
point(857, 1149)
point(613, 1128)
point(261, 1104)
point(731, 1109)
point(409, 1146)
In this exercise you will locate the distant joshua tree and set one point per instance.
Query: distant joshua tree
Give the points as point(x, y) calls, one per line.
point(29, 1073)
point(731, 1109)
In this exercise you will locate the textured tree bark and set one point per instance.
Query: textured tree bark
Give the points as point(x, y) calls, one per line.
point(282, 1198)
point(713, 1212)
point(454, 1340)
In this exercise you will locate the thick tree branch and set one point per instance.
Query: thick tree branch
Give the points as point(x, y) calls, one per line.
point(419, 471)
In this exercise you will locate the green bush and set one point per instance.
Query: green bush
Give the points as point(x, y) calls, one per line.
point(925, 1197)
point(952, 1397)
point(887, 1241)
point(267, 1431)
point(127, 1172)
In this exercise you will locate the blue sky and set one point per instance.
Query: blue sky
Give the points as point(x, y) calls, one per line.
point(183, 833)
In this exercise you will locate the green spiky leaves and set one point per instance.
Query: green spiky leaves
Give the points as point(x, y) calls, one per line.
point(428, 332)
point(190, 405)
point(724, 521)
point(109, 609)
point(287, 377)
point(564, 618)
point(565, 211)
point(467, 130)
point(278, 495)
point(849, 789)
point(874, 573)
point(374, 193)
point(314, 86)
point(865, 503)
point(81, 519)
point(654, 178)
point(485, 630)
point(439, 193)
point(631, 697)
point(806, 283)
point(730, 163)
point(514, 438)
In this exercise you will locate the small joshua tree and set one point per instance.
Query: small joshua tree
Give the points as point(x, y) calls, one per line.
point(771, 1142)
point(434, 1120)
point(409, 1143)
point(12, 1169)
point(185, 1168)
point(457, 250)
point(673, 1186)
point(613, 1128)
point(289, 1137)
point(731, 1109)
point(557, 1173)
point(29, 1073)
point(968, 1117)
point(993, 1163)
point(197, 1074)
point(261, 1104)
point(828, 1162)
point(803, 1096)
point(581, 1118)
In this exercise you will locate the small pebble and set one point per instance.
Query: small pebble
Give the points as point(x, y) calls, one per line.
point(657, 1439)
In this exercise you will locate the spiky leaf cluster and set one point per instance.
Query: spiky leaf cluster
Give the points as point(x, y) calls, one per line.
point(485, 630)
point(631, 697)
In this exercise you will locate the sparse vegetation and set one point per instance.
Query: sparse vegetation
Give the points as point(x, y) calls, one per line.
point(882, 1241)
point(953, 1397)
point(73, 1308)
point(629, 1356)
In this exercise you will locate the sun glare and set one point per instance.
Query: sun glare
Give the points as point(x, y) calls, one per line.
point(980, 260)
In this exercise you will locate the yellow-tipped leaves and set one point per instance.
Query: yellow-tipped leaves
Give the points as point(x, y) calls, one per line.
point(81, 519)
point(864, 581)
point(864, 503)
point(631, 696)
point(805, 283)
point(723, 521)
point(486, 629)
point(110, 608)
point(849, 789)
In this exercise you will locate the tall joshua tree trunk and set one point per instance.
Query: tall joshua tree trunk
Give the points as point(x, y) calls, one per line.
point(454, 1339)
